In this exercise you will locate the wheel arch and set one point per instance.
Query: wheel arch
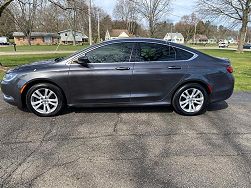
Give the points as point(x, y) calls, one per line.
point(38, 81)
point(205, 85)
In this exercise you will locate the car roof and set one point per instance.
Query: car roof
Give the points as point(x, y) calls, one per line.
point(148, 40)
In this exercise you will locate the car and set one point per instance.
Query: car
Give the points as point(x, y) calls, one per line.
point(223, 44)
point(122, 72)
point(247, 46)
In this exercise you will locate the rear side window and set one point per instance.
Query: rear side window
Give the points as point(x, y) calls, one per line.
point(182, 54)
point(154, 52)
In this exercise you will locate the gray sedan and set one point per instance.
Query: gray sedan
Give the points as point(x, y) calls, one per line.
point(122, 72)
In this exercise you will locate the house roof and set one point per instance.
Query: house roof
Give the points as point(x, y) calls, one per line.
point(117, 32)
point(173, 35)
point(67, 30)
point(35, 34)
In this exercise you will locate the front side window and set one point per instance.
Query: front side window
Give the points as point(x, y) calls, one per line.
point(112, 53)
point(154, 52)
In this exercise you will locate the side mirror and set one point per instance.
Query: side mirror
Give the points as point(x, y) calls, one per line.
point(83, 61)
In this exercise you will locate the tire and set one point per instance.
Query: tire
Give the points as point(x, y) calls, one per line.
point(45, 100)
point(185, 102)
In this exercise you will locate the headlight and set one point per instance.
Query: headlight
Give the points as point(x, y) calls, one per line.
point(9, 76)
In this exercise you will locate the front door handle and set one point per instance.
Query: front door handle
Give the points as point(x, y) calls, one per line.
point(174, 67)
point(123, 68)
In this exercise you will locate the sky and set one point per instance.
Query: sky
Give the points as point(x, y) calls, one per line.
point(179, 8)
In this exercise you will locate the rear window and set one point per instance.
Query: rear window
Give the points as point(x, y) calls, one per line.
point(182, 54)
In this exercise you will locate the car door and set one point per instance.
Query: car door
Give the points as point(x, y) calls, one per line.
point(156, 71)
point(107, 77)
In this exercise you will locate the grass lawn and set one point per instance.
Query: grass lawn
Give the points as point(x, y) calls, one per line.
point(42, 48)
point(240, 62)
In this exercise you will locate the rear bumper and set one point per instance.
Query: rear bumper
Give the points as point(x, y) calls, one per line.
point(224, 91)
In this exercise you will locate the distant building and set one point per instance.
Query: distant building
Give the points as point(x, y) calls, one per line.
point(67, 37)
point(231, 40)
point(200, 39)
point(37, 38)
point(117, 33)
point(212, 40)
point(175, 37)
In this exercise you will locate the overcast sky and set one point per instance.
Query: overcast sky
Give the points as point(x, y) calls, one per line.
point(179, 7)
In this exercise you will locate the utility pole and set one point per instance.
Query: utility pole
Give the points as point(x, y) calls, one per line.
point(98, 28)
point(195, 31)
point(90, 22)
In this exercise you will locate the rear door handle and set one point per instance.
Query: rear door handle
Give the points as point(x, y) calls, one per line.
point(123, 68)
point(174, 67)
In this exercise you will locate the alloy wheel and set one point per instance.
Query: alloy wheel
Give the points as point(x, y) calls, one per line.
point(191, 100)
point(44, 101)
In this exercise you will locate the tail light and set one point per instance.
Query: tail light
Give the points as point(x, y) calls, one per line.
point(230, 69)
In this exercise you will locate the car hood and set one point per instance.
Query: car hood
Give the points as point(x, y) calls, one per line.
point(33, 66)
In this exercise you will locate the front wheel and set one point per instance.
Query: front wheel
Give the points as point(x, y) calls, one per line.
point(191, 99)
point(45, 100)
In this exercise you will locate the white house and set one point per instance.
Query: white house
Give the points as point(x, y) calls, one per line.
point(175, 37)
point(231, 40)
point(116, 33)
point(67, 36)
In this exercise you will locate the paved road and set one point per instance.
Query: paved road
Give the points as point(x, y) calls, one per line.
point(128, 147)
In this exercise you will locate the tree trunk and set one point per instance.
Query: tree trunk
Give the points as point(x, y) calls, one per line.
point(29, 39)
point(243, 30)
point(151, 29)
point(242, 36)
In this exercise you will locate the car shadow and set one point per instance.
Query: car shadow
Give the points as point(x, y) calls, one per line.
point(217, 106)
point(138, 109)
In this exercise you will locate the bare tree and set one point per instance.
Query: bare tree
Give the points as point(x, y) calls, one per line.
point(236, 10)
point(3, 5)
point(152, 11)
point(24, 15)
point(187, 26)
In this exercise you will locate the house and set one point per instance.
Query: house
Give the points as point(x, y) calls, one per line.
point(67, 36)
point(117, 33)
point(212, 40)
point(37, 38)
point(231, 40)
point(175, 37)
point(200, 39)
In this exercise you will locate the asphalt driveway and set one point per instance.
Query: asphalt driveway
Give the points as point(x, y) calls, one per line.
point(127, 147)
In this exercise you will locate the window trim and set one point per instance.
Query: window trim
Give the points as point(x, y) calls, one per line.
point(74, 58)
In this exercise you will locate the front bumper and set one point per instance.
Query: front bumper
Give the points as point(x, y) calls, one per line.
point(11, 94)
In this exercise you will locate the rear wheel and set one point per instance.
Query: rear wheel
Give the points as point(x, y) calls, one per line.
point(45, 100)
point(190, 99)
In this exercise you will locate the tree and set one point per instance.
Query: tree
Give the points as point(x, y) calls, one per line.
point(236, 10)
point(24, 14)
point(187, 25)
point(3, 5)
point(125, 10)
point(152, 11)
point(6, 23)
